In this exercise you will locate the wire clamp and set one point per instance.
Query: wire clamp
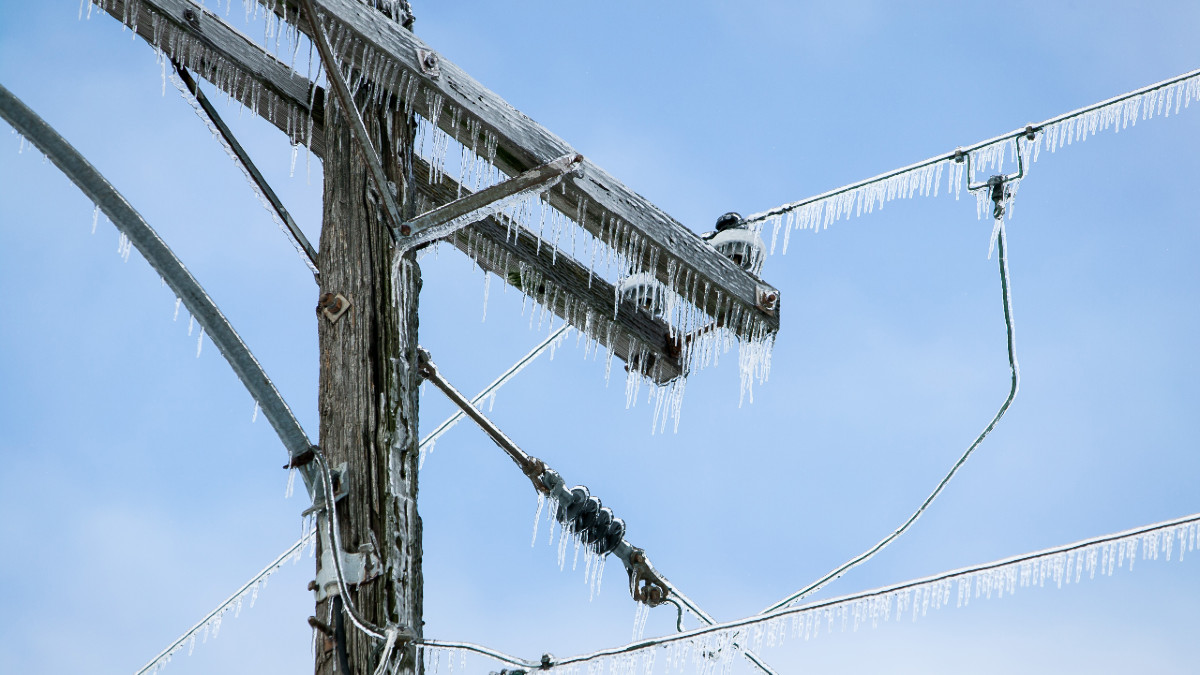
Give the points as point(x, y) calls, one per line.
point(357, 568)
point(1000, 192)
point(645, 584)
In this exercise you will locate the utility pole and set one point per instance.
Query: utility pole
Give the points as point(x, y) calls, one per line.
point(675, 301)
point(369, 379)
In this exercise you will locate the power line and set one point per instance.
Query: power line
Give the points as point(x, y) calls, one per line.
point(250, 588)
point(583, 516)
point(1059, 565)
point(165, 656)
point(430, 440)
point(924, 178)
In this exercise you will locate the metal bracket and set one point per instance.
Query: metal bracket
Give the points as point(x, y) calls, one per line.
point(332, 306)
point(357, 568)
point(341, 488)
point(428, 61)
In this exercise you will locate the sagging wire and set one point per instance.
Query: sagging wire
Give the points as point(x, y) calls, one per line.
point(999, 192)
point(1157, 97)
point(1058, 564)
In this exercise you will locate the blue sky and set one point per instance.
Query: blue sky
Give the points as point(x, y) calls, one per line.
point(138, 494)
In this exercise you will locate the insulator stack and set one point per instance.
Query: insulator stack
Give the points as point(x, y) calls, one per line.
point(585, 515)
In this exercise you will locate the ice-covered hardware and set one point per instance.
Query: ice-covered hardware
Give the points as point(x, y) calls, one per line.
point(645, 291)
point(734, 240)
point(357, 568)
point(1000, 193)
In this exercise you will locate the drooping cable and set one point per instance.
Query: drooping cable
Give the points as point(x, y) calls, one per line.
point(1015, 371)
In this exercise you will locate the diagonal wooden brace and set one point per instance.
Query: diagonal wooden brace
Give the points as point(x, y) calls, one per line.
point(447, 219)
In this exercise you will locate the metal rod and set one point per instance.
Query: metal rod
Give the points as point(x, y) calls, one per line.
point(244, 158)
point(449, 218)
point(169, 267)
point(357, 127)
point(635, 559)
point(527, 463)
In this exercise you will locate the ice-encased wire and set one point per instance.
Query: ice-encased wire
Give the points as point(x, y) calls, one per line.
point(926, 178)
point(212, 621)
point(709, 649)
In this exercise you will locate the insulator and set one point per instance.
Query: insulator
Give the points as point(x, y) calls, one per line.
point(744, 247)
point(613, 537)
point(728, 221)
point(643, 290)
point(569, 511)
point(587, 516)
point(599, 527)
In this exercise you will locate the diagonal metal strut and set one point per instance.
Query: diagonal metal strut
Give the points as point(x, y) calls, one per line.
point(357, 126)
point(247, 164)
point(634, 559)
point(449, 218)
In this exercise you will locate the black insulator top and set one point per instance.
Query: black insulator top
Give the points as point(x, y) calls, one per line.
point(728, 221)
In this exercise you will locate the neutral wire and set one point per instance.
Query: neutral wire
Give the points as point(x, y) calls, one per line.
point(1012, 135)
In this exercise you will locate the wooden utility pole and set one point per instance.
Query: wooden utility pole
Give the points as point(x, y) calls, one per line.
point(369, 383)
point(365, 470)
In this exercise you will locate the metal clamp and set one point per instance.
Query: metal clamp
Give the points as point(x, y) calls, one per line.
point(357, 568)
point(645, 584)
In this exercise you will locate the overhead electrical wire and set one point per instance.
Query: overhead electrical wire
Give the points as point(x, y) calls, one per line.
point(251, 587)
point(1058, 565)
point(924, 178)
point(165, 656)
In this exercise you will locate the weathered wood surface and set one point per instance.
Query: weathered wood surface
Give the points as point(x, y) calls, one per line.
point(523, 144)
point(369, 380)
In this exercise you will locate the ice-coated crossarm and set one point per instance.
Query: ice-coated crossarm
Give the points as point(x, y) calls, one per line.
point(449, 218)
point(613, 213)
point(208, 46)
point(164, 261)
point(205, 44)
